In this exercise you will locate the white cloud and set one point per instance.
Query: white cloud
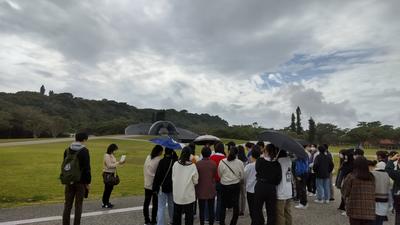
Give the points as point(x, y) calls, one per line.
point(212, 57)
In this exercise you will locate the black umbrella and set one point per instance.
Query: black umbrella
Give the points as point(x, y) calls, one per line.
point(283, 142)
point(206, 140)
point(302, 142)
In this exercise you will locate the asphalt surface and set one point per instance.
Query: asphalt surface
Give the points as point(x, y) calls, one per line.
point(124, 214)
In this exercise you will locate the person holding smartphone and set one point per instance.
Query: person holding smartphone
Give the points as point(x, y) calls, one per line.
point(110, 164)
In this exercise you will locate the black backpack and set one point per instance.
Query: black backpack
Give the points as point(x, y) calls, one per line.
point(70, 168)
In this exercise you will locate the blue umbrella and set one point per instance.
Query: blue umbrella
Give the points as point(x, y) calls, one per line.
point(166, 142)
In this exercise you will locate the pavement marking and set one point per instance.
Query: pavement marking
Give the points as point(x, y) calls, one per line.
point(89, 214)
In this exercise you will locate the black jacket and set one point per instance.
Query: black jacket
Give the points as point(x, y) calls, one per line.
point(394, 173)
point(84, 164)
point(323, 166)
point(161, 172)
point(268, 172)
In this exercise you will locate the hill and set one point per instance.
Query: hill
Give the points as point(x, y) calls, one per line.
point(27, 114)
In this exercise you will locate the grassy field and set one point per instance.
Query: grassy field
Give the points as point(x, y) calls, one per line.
point(30, 173)
point(22, 140)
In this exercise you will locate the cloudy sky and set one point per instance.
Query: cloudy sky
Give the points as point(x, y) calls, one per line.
point(246, 61)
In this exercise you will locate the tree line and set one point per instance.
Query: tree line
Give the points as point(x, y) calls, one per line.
point(35, 114)
point(370, 133)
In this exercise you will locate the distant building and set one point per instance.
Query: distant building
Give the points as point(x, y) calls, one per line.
point(161, 128)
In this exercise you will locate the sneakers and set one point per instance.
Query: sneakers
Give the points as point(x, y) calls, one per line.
point(344, 213)
point(301, 206)
point(107, 206)
point(326, 202)
point(311, 194)
point(319, 201)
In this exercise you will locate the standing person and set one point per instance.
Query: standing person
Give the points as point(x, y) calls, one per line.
point(359, 191)
point(249, 147)
point(110, 164)
point(393, 169)
point(382, 192)
point(250, 179)
point(205, 189)
point(284, 191)
point(331, 187)
point(323, 167)
point(242, 200)
point(269, 175)
point(149, 171)
point(184, 179)
point(163, 181)
point(345, 169)
point(217, 157)
point(231, 171)
point(75, 174)
point(301, 174)
point(311, 181)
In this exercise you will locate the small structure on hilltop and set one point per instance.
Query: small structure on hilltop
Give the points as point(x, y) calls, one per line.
point(162, 128)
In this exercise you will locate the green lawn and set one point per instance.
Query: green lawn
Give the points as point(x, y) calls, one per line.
point(30, 173)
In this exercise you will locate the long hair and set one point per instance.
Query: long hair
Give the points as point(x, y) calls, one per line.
point(232, 153)
point(219, 148)
point(361, 170)
point(241, 155)
point(185, 155)
point(271, 150)
point(156, 151)
point(112, 148)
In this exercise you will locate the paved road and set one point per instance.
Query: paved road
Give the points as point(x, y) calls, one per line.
point(127, 211)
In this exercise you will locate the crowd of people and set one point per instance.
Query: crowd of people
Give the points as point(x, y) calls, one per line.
point(265, 178)
point(271, 177)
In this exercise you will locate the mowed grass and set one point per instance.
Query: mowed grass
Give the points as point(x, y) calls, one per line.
point(30, 173)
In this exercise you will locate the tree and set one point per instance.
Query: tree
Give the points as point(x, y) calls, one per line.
point(311, 130)
point(42, 90)
point(299, 129)
point(51, 93)
point(327, 133)
point(34, 120)
point(57, 125)
point(5, 119)
point(293, 123)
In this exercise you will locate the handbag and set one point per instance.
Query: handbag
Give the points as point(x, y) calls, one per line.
point(111, 178)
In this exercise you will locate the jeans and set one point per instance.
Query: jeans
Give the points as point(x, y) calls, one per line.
point(311, 183)
point(218, 187)
point(77, 192)
point(265, 194)
point(183, 209)
point(230, 198)
point(148, 196)
point(163, 200)
point(301, 189)
point(205, 204)
point(250, 203)
point(323, 189)
point(242, 200)
point(107, 193)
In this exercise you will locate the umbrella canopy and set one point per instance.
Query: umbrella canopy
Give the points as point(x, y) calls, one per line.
point(283, 142)
point(206, 140)
point(167, 142)
point(302, 142)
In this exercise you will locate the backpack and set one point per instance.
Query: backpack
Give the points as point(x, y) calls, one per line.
point(301, 167)
point(70, 168)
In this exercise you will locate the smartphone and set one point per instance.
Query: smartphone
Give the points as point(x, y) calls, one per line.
point(123, 157)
